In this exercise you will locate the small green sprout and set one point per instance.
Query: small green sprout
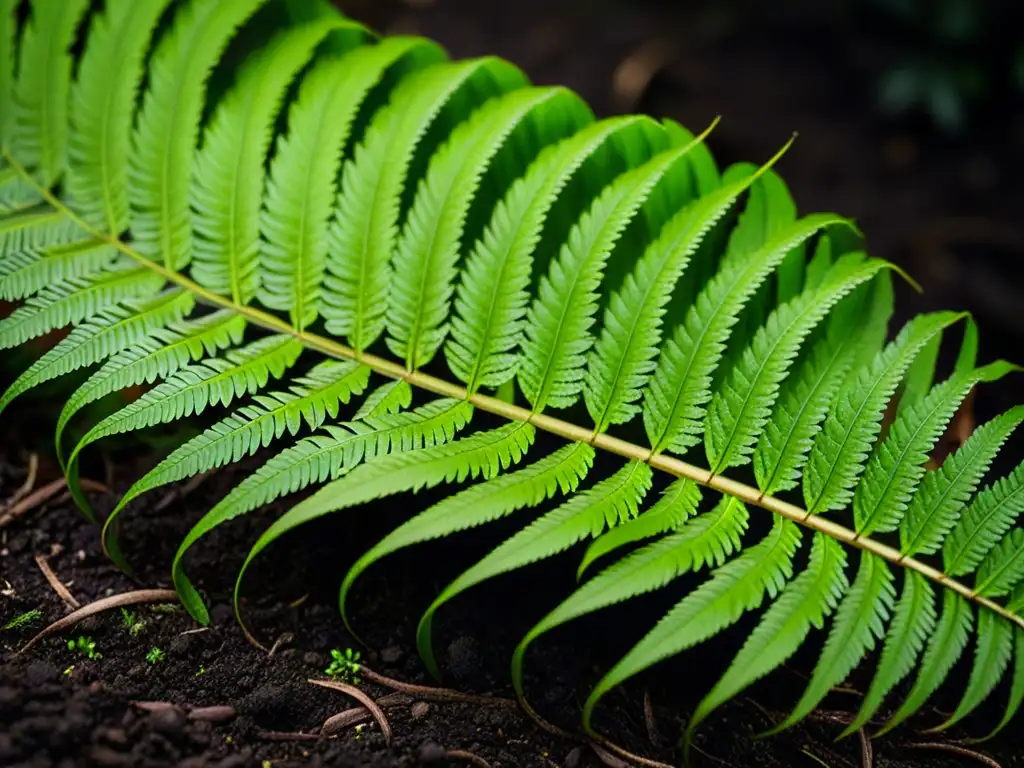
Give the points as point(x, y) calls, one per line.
point(69, 670)
point(85, 646)
point(23, 620)
point(359, 731)
point(344, 665)
point(132, 622)
point(155, 655)
point(201, 671)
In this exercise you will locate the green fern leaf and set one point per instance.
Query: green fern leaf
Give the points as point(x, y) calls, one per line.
point(896, 468)
point(104, 334)
point(707, 541)
point(985, 522)
point(1016, 697)
point(740, 409)
point(74, 300)
point(492, 299)
point(859, 623)
point(841, 448)
point(677, 504)
point(681, 383)
point(936, 506)
point(40, 131)
point(370, 207)
point(991, 658)
point(804, 603)
point(804, 399)
point(1003, 569)
point(388, 398)
point(319, 458)
point(944, 647)
point(167, 127)
point(27, 272)
point(561, 471)
point(738, 586)
point(427, 252)
point(586, 514)
point(314, 397)
point(35, 229)
point(227, 188)
point(102, 106)
point(559, 319)
point(301, 188)
point(913, 622)
point(161, 354)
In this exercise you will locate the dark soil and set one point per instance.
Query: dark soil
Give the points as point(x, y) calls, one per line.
point(909, 191)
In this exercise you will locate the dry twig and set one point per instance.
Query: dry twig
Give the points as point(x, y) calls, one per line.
point(43, 495)
point(362, 698)
point(30, 480)
point(430, 693)
point(56, 584)
point(956, 749)
point(465, 756)
point(99, 606)
point(600, 744)
point(356, 715)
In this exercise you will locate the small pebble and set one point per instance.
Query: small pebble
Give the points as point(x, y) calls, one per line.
point(392, 654)
point(574, 759)
point(430, 752)
point(168, 722)
point(419, 710)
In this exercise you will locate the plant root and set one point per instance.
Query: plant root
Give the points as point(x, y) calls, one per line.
point(356, 715)
point(41, 496)
point(956, 749)
point(430, 693)
point(99, 606)
point(602, 745)
point(653, 733)
point(364, 699)
point(284, 639)
point(56, 584)
point(867, 750)
point(30, 480)
point(606, 757)
point(465, 756)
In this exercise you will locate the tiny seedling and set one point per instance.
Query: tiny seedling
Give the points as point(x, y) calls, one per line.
point(69, 669)
point(84, 646)
point(359, 731)
point(155, 655)
point(132, 622)
point(201, 671)
point(23, 620)
point(344, 666)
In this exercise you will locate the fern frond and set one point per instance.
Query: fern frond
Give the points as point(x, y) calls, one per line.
point(896, 468)
point(912, 623)
point(387, 399)
point(106, 333)
point(677, 504)
point(1003, 569)
point(804, 603)
point(163, 353)
point(310, 401)
point(985, 522)
point(74, 300)
point(561, 471)
point(681, 383)
point(227, 187)
point(301, 187)
point(604, 505)
point(707, 541)
point(935, 508)
point(8, 54)
point(319, 458)
point(992, 654)
point(738, 586)
point(859, 624)
point(841, 448)
point(36, 228)
point(27, 272)
point(102, 106)
point(428, 250)
point(167, 126)
point(742, 406)
point(40, 97)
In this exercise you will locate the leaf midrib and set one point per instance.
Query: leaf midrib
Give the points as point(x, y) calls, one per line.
point(550, 424)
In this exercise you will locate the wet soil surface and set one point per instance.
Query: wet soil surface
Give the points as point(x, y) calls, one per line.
point(944, 210)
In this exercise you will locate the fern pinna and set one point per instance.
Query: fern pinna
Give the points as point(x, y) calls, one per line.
point(352, 246)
